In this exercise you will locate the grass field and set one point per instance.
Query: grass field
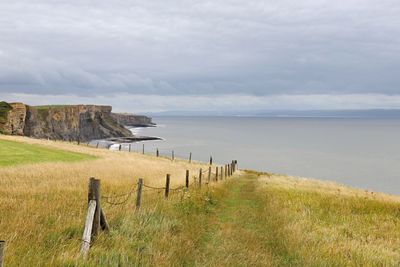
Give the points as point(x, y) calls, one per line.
point(253, 219)
point(14, 153)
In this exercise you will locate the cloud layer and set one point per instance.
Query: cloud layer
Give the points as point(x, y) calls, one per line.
point(183, 48)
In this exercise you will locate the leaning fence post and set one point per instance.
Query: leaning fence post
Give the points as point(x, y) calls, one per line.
point(87, 233)
point(97, 145)
point(200, 175)
point(187, 179)
point(120, 147)
point(139, 194)
point(216, 173)
point(190, 157)
point(167, 185)
point(2, 252)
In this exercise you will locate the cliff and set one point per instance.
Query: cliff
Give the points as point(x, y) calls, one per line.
point(128, 119)
point(75, 122)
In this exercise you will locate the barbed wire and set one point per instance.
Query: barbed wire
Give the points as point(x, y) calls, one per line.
point(128, 195)
point(120, 195)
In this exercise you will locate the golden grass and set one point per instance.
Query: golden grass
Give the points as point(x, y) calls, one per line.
point(327, 224)
point(255, 219)
point(43, 205)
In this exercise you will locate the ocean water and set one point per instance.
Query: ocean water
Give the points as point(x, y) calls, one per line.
point(359, 152)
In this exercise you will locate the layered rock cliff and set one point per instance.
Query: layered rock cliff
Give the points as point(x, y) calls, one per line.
point(133, 120)
point(75, 122)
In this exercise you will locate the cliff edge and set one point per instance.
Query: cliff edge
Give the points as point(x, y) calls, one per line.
point(70, 122)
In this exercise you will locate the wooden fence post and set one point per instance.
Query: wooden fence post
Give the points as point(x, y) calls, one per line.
point(236, 165)
point(200, 175)
point(95, 217)
point(94, 194)
point(222, 173)
point(226, 171)
point(119, 147)
point(2, 252)
point(167, 185)
point(143, 149)
point(97, 145)
point(139, 194)
point(130, 146)
point(229, 170)
point(209, 174)
point(210, 160)
point(157, 153)
point(187, 179)
point(87, 233)
point(216, 174)
point(190, 157)
point(172, 155)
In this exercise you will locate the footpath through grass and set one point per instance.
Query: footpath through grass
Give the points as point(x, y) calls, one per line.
point(244, 223)
point(251, 219)
point(15, 153)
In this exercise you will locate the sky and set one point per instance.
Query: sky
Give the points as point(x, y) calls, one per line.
point(149, 56)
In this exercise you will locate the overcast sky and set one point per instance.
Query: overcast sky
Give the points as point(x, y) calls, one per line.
point(233, 55)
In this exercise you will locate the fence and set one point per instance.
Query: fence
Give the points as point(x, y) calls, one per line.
point(130, 148)
point(96, 218)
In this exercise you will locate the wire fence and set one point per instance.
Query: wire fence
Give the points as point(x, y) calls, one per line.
point(143, 194)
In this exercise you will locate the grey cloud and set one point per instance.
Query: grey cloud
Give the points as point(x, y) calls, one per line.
point(199, 47)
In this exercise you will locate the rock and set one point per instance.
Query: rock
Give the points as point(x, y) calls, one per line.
point(74, 122)
point(132, 120)
point(15, 119)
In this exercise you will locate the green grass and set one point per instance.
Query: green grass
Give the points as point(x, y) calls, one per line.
point(15, 153)
point(46, 107)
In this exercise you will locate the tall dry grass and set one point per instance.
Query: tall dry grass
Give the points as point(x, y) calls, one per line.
point(43, 206)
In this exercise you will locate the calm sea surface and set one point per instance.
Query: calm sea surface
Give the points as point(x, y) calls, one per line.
point(363, 153)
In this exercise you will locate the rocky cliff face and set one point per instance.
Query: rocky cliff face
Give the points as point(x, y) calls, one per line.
point(14, 119)
point(128, 119)
point(75, 122)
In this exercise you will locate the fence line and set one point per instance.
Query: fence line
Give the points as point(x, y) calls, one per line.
point(96, 219)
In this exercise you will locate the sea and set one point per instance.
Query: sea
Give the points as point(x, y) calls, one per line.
point(360, 152)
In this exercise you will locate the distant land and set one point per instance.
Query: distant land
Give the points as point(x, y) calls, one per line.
point(359, 113)
point(68, 122)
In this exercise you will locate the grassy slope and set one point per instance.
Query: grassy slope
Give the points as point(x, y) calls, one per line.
point(14, 153)
point(247, 223)
point(43, 205)
point(251, 220)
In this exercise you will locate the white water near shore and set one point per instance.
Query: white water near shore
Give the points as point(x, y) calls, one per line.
point(364, 153)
